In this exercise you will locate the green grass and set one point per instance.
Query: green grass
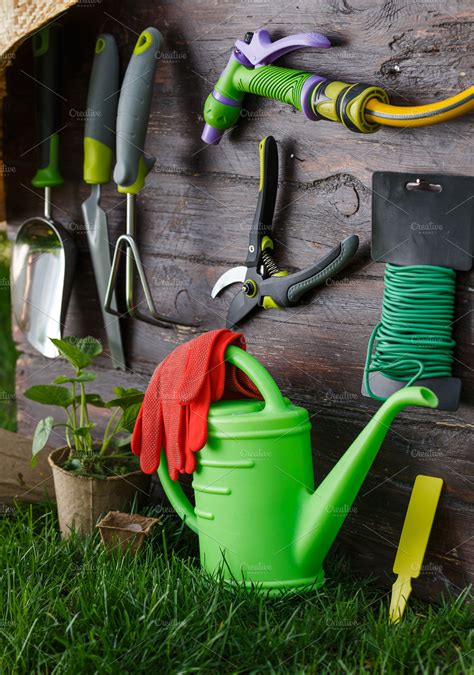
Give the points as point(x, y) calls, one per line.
point(8, 353)
point(67, 607)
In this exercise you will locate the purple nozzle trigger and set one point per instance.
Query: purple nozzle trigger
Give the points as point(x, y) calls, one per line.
point(261, 51)
point(210, 135)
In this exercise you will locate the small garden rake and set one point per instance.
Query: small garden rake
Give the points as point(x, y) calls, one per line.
point(130, 171)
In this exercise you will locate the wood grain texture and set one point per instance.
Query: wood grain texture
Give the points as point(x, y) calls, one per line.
point(194, 215)
point(19, 480)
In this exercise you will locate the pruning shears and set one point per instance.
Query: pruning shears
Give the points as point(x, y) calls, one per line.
point(263, 283)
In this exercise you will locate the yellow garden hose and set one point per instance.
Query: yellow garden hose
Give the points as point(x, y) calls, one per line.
point(365, 108)
point(420, 115)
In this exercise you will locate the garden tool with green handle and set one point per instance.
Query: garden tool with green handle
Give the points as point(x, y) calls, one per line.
point(44, 253)
point(359, 107)
point(47, 45)
point(131, 169)
point(99, 142)
point(259, 518)
point(263, 283)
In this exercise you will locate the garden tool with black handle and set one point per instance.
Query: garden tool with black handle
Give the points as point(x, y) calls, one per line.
point(44, 253)
point(99, 141)
point(131, 169)
point(263, 283)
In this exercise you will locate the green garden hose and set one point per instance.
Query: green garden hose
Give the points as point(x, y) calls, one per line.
point(414, 339)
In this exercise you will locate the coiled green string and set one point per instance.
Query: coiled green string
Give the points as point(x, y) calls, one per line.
point(413, 340)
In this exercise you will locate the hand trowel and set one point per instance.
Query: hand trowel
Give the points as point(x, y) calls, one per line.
point(99, 143)
point(44, 254)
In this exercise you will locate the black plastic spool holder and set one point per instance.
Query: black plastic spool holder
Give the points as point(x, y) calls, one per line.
point(422, 219)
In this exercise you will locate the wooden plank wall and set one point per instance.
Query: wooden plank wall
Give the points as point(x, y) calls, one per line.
point(194, 216)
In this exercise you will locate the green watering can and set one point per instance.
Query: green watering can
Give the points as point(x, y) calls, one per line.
point(258, 517)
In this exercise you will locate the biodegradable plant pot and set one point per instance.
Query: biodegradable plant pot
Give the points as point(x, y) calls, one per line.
point(125, 531)
point(82, 500)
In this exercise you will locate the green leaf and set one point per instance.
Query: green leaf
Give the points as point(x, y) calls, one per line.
point(129, 417)
point(40, 437)
point(125, 398)
point(83, 377)
point(87, 345)
point(90, 345)
point(72, 354)
point(83, 432)
point(92, 399)
point(49, 394)
point(125, 391)
point(121, 441)
point(74, 464)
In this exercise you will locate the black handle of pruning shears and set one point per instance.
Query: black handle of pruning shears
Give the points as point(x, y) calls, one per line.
point(267, 191)
point(287, 290)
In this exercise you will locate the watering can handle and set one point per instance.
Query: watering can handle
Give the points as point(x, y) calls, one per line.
point(176, 496)
point(259, 375)
point(274, 401)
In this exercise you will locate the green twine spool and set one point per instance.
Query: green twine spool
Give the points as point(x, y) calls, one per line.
point(414, 339)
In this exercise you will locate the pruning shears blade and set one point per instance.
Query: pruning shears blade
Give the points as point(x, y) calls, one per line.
point(232, 276)
point(240, 306)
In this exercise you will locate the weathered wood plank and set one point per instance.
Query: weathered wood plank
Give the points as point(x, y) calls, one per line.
point(18, 480)
point(193, 221)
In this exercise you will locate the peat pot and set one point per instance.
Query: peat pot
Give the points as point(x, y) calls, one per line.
point(82, 500)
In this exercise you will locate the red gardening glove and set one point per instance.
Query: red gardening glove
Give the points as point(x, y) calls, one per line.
point(159, 422)
point(176, 404)
point(208, 385)
point(179, 420)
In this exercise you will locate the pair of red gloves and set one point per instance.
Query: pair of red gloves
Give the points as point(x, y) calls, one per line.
point(174, 411)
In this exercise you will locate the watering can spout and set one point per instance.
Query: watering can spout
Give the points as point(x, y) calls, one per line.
point(324, 512)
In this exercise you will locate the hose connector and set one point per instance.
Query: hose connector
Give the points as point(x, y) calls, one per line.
point(345, 103)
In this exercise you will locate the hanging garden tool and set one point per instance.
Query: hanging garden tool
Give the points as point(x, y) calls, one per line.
point(99, 140)
point(359, 107)
point(422, 229)
point(264, 284)
point(414, 540)
point(44, 253)
point(131, 169)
